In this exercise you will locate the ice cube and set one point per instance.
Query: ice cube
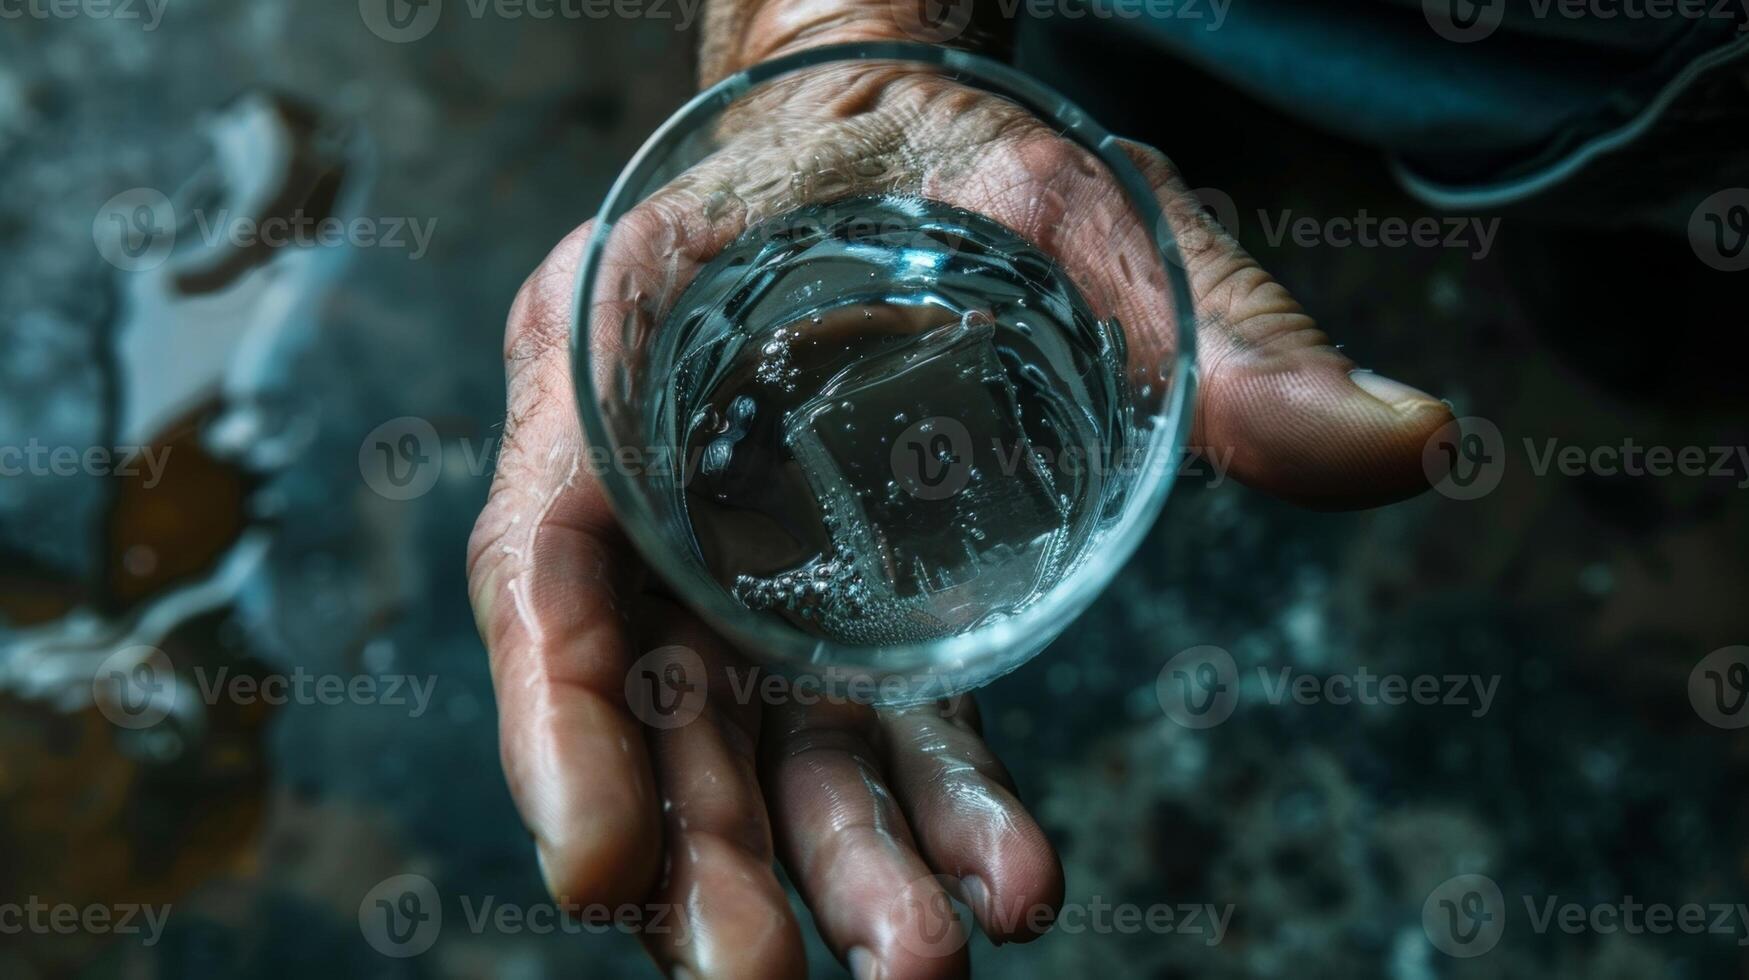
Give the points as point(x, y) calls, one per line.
point(928, 481)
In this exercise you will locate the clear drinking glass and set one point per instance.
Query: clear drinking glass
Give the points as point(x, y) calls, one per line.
point(920, 166)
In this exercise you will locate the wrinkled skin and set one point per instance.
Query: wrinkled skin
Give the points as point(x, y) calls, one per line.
point(861, 806)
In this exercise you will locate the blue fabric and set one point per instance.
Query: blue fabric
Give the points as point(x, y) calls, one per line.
point(1378, 71)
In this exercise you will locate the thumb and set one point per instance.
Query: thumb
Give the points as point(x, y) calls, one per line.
point(1286, 411)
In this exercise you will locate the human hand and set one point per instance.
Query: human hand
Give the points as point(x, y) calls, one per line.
point(862, 807)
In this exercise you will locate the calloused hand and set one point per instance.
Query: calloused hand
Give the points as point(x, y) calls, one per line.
point(873, 813)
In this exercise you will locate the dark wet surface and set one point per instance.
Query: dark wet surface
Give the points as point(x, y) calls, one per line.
point(1586, 602)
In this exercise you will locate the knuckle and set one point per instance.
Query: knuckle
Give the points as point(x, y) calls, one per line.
point(489, 544)
point(1233, 288)
point(540, 315)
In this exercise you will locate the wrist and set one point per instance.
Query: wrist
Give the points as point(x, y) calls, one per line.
point(740, 33)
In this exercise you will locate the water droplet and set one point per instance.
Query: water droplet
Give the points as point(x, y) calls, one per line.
point(717, 456)
point(742, 410)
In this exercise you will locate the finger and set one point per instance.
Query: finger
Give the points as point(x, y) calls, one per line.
point(546, 570)
point(961, 805)
point(724, 912)
point(847, 846)
point(1278, 405)
point(1297, 417)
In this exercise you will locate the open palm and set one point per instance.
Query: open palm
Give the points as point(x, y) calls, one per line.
point(875, 814)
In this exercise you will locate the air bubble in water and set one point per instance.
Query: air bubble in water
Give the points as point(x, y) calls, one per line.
point(854, 543)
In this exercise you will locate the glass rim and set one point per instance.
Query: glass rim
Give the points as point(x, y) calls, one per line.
point(946, 665)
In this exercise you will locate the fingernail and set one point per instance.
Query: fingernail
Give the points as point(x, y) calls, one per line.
point(862, 964)
point(680, 971)
point(546, 874)
point(977, 895)
point(1392, 392)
